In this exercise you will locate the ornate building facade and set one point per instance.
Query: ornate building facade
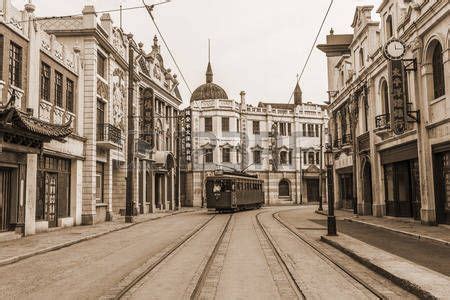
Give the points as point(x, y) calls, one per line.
point(390, 116)
point(65, 87)
point(281, 143)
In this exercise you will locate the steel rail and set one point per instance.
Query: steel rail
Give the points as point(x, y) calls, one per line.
point(198, 287)
point(160, 260)
point(279, 257)
point(326, 257)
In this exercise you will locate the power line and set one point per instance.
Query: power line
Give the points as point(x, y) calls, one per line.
point(310, 51)
point(149, 9)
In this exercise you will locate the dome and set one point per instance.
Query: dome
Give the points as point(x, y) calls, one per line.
point(208, 90)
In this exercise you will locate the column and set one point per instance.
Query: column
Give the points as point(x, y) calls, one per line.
point(30, 194)
point(76, 190)
point(107, 187)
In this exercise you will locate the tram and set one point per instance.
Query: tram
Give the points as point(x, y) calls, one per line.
point(233, 191)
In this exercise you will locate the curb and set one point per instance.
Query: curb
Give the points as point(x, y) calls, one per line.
point(410, 234)
point(403, 283)
point(18, 258)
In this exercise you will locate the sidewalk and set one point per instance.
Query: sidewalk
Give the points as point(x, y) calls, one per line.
point(436, 234)
point(16, 250)
point(416, 264)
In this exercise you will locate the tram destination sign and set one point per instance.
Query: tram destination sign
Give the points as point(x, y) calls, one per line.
point(398, 101)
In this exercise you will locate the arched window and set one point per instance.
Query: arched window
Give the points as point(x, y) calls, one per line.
point(283, 188)
point(389, 27)
point(384, 97)
point(438, 71)
point(361, 57)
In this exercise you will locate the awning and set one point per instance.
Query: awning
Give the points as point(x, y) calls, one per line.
point(164, 159)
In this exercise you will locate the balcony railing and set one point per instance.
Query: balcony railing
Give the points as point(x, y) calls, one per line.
point(109, 133)
point(383, 121)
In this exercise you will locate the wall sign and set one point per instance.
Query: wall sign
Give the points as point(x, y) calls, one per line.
point(187, 140)
point(398, 100)
point(148, 117)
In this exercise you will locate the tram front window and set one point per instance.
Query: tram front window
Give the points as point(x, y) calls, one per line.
point(221, 186)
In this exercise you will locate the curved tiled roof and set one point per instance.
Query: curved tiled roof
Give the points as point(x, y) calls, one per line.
point(209, 91)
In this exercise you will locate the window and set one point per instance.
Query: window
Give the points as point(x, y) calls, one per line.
point(303, 129)
point(256, 129)
point(283, 129)
point(70, 95)
point(311, 158)
point(361, 58)
point(99, 183)
point(438, 72)
point(208, 124)
point(15, 65)
point(290, 157)
point(225, 124)
point(283, 188)
point(101, 64)
point(58, 89)
point(317, 130)
point(385, 97)
point(304, 158)
point(238, 125)
point(289, 126)
point(45, 82)
point(100, 112)
point(1, 55)
point(209, 157)
point(257, 157)
point(310, 130)
point(283, 158)
point(317, 158)
point(389, 27)
point(226, 155)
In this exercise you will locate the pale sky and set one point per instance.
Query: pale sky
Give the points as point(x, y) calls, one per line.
point(257, 46)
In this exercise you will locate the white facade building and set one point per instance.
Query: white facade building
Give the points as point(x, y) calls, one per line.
point(281, 143)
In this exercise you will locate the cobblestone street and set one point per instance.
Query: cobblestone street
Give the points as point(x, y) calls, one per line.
point(271, 253)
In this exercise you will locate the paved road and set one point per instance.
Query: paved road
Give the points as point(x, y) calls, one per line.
point(230, 257)
point(87, 270)
point(431, 255)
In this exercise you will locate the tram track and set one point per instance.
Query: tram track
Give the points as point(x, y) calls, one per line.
point(128, 284)
point(327, 258)
point(294, 284)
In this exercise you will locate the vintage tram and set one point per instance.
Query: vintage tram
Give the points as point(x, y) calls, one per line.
point(232, 191)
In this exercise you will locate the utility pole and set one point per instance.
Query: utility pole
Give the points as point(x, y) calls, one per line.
point(131, 144)
point(320, 165)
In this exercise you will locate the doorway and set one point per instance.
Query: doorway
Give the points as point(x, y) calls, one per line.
point(367, 188)
point(50, 208)
point(5, 198)
point(442, 187)
point(312, 190)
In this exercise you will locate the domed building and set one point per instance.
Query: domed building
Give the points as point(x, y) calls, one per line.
point(208, 90)
point(233, 135)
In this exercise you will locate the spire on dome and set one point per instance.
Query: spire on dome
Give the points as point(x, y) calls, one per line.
point(298, 95)
point(209, 72)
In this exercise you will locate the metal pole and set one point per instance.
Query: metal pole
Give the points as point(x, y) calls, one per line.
point(203, 180)
point(131, 144)
point(320, 167)
point(331, 219)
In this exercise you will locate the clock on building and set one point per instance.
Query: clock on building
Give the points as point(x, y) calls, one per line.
point(394, 49)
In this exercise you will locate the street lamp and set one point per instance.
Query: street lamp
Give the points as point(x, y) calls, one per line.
point(331, 219)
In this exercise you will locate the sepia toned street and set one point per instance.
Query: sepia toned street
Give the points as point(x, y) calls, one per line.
point(273, 253)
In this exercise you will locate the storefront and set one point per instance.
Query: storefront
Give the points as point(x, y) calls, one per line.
point(442, 184)
point(401, 177)
point(53, 189)
point(346, 190)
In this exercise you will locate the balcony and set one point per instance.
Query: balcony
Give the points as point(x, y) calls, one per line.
point(383, 122)
point(142, 148)
point(364, 142)
point(109, 136)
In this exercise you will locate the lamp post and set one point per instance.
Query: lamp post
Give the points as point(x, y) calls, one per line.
point(331, 219)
